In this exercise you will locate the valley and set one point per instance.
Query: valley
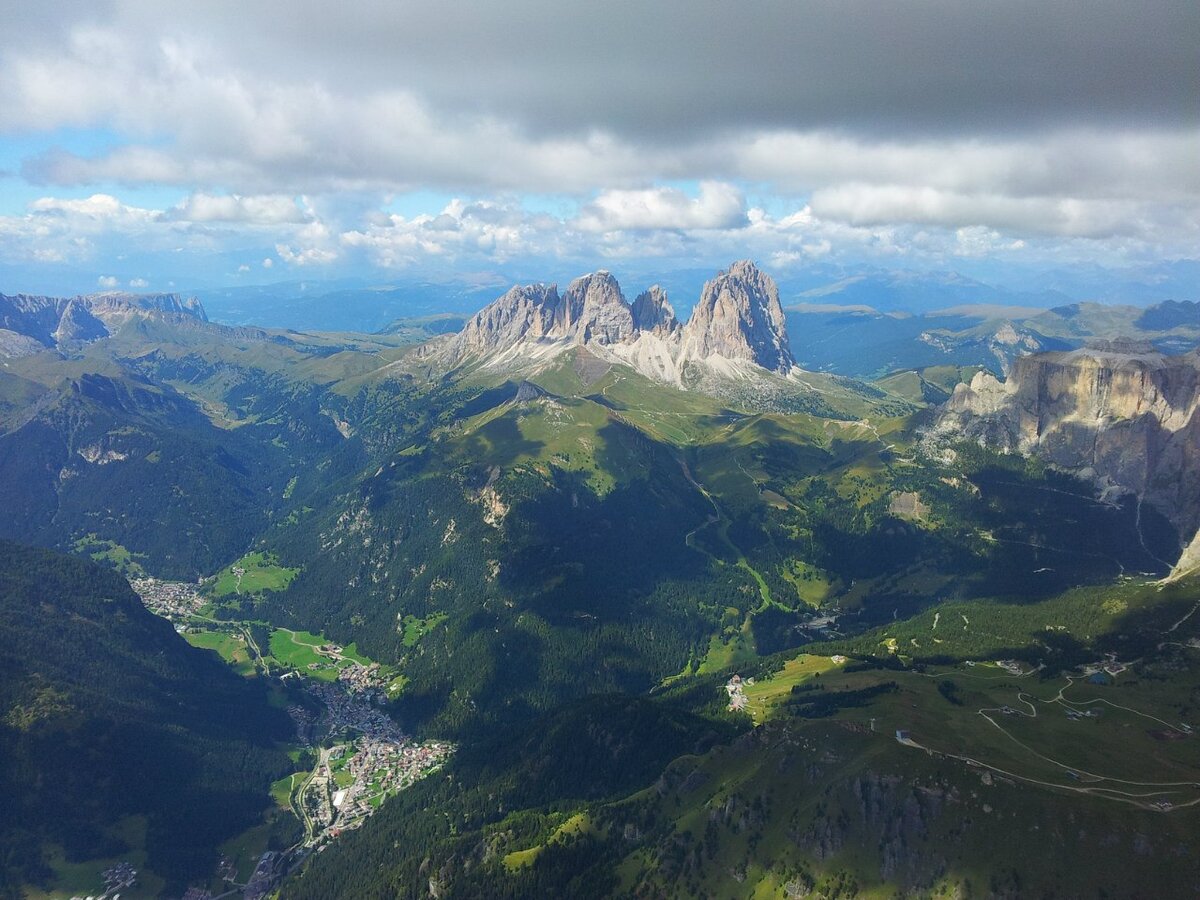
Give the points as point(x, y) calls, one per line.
point(585, 601)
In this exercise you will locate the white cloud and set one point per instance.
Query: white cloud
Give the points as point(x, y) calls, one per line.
point(719, 205)
point(268, 209)
point(246, 119)
point(96, 208)
point(268, 263)
point(108, 282)
point(138, 283)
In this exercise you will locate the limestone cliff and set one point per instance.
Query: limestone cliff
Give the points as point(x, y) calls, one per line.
point(738, 325)
point(1117, 411)
point(739, 317)
point(34, 322)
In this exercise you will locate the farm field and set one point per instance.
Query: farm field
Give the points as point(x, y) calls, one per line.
point(251, 575)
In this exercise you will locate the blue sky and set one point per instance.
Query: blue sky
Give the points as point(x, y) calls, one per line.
point(169, 145)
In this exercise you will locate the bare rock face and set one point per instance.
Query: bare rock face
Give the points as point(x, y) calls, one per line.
point(653, 314)
point(594, 311)
point(78, 324)
point(524, 313)
point(1119, 411)
point(51, 320)
point(739, 317)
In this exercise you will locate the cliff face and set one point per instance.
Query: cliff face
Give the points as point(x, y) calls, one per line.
point(524, 313)
point(31, 323)
point(1119, 412)
point(738, 318)
point(653, 313)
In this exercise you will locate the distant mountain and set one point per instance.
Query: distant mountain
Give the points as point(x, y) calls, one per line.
point(29, 324)
point(921, 292)
point(340, 306)
point(107, 714)
point(736, 330)
point(862, 342)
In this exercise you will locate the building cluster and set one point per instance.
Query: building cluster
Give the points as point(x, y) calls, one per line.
point(116, 879)
point(378, 767)
point(270, 868)
point(362, 679)
point(174, 600)
point(736, 689)
point(345, 711)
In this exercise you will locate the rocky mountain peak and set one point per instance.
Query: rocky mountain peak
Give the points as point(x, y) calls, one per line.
point(523, 313)
point(653, 313)
point(738, 320)
point(739, 316)
point(78, 324)
point(49, 320)
point(594, 311)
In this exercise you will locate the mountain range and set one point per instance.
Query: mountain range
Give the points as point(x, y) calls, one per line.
point(737, 321)
point(672, 596)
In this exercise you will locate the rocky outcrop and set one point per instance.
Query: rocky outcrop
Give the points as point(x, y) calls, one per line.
point(50, 321)
point(738, 322)
point(739, 317)
point(1116, 411)
point(523, 314)
point(594, 311)
point(78, 324)
point(653, 314)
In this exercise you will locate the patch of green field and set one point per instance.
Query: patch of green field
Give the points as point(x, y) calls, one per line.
point(110, 552)
point(734, 646)
point(230, 647)
point(813, 586)
point(578, 825)
point(766, 693)
point(252, 574)
point(415, 628)
point(71, 879)
point(351, 652)
point(281, 790)
point(298, 650)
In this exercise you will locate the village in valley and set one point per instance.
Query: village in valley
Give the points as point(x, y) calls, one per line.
point(336, 698)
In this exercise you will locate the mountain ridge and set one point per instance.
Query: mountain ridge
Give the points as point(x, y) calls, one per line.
point(737, 326)
point(30, 323)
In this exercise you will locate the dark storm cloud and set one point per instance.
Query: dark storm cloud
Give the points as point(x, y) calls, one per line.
point(981, 124)
point(664, 69)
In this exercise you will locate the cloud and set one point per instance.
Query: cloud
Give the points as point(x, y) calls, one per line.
point(138, 283)
point(718, 206)
point(271, 209)
point(485, 229)
point(873, 205)
point(108, 282)
point(664, 70)
point(1029, 119)
point(98, 208)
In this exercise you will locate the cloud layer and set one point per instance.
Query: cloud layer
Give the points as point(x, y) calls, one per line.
point(678, 129)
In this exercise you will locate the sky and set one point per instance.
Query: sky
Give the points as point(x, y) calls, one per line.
point(159, 145)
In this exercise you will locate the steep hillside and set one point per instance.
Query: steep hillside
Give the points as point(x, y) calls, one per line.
point(116, 737)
